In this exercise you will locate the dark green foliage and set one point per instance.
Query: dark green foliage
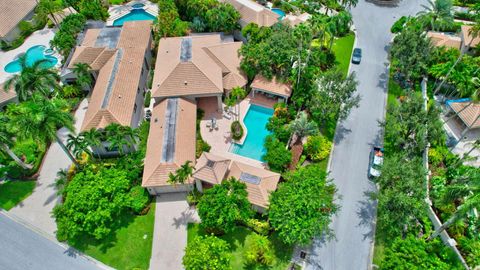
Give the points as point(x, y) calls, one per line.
point(223, 205)
point(302, 206)
point(258, 250)
point(398, 25)
point(169, 23)
point(413, 253)
point(139, 199)
point(277, 156)
point(93, 10)
point(65, 37)
point(222, 18)
point(207, 252)
point(148, 97)
point(237, 130)
point(201, 146)
point(278, 123)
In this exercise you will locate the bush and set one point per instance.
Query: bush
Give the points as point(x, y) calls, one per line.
point(148, 97)
point(237, 130)
point(26, 28)
point(139, 199)
point(318, 147)
point(207, 252)
point(93, 9)
point(194, 197)
point(65, 38)
point(258, 226)
point(277, 156)
point(398, 25)
point(258, 249)
point(202, 146)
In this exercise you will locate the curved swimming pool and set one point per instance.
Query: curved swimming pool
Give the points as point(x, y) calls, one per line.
point(136, 14)
point(255, 121)
point(34, 54)
point(279, 12)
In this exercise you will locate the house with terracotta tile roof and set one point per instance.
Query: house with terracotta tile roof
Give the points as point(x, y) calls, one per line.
point(120, 62)
point(252, 12)
point(12, 12)
point(7, 97)
point(271, 88)
point(440, 39)
point(468, 40)
point(468, 112)
point(212, 169)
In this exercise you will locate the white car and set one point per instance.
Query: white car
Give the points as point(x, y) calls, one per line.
point(376, 162)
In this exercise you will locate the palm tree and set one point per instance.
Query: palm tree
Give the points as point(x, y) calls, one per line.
point(41, 118)
point(182, 174)
point(235, 96)
point(349, 3)
point(437, 10)
point(83, 73)
point(32, 79)
point(47, 7)
point(120, 136)
point(78, 145)
point(92, 138)
point(6, 142)
point(467, 189)
point(302, 127)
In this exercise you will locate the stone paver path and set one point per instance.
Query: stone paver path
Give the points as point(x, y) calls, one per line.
point(37, 208)
point(172, 214)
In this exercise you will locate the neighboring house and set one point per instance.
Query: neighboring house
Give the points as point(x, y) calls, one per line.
point(196, 67)
point(440, 39)
point(468, 42)
point(171, 143)
point(252, 12)
point(213, 169)
point(12, 12)
point(7, 97)
point(469, 114)
point(120, 59)
point(271, 88)
point(294, 20)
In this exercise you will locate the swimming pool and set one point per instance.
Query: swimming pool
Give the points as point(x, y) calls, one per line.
point(34, 54)
point(136, 14)
point(279, 12)
point(255, 121)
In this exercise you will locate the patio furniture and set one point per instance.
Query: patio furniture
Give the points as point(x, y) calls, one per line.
point(226, 115)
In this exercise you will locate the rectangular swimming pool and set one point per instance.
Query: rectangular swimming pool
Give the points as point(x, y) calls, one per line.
point(255, 121)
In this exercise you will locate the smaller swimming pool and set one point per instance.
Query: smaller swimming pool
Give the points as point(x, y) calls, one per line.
point(136, 14)
point(279, 12)
point(34, 54)
point(138, 5)
point(255, 121)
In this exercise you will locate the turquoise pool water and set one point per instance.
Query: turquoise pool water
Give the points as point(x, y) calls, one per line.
point(134, 15)
point(279, 12)
point(34, 54)
point(255, 121)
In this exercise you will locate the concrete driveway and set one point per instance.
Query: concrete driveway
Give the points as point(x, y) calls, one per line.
point(22, 248)
point(354, 224)
point(172, 214)
point(37, 208)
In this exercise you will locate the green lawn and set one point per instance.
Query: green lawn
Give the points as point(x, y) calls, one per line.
point(128, 247)
point(342, 48)
point(13, 192)
point(236, 240)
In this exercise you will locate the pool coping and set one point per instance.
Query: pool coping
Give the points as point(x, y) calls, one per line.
point(118, 11)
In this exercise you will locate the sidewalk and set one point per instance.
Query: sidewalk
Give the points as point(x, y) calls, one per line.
point(172, 214)
point(37, 208)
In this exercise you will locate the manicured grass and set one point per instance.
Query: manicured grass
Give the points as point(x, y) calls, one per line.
point(116, 2)
point(342, 48)
point(13, 192)
point(236, 239)
point(128, 247)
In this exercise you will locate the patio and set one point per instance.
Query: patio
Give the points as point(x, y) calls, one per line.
point(118, 11)
point(41, 37)
point(219, 136)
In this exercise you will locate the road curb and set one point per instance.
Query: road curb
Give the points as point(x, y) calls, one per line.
point(54, 240)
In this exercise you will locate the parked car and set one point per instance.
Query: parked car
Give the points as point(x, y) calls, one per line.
point(357, 56)
point(375, 162)
point(148, 114)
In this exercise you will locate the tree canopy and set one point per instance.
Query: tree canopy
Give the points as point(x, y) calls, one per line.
point(207, 253)
point(303, 205)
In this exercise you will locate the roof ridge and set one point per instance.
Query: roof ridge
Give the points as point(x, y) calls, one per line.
point(216, 59)
point(199, 69)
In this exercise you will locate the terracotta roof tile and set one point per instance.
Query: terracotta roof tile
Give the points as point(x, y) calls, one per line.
point(211, 168)
point(6, 96)
point(469, 115)
point(272, 86)
point(12, 12)
point(253, 12)
point(440, 39)
point(468, 38)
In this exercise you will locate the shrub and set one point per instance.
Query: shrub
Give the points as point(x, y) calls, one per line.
point(202, 146)
point(207, 252)
point(93, 9)
point(258, 250)
point(237, 130)
point(277, 156)
point(258, 226)
point(194, 197)
point(398, 25)
point(318, 147)
point(65, 38)
point(148, 97)
point(139, 199)
point(26, 28)
point(70, 91)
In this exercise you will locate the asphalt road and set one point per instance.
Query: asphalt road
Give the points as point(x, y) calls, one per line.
point(22, 248)
point(354, 224)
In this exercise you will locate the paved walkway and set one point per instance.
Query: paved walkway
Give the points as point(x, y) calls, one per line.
point(172, 214)
point(41, 37)
point(37, 208)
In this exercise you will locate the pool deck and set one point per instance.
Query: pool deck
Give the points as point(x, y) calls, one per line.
point(220, 138)
point(118, 11)
point(40, 37)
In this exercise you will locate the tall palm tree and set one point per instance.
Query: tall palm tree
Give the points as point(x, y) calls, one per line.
point(182, 174)
point(41, 118)
point(437, 10)
point(92, 139)
point(83, 73)
point(236, 95)
point(467, 189)
point(302, 127)
point(120, 137)
point(32, 79)
point(78, 145)
point(47, 7)
point(6, 141)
